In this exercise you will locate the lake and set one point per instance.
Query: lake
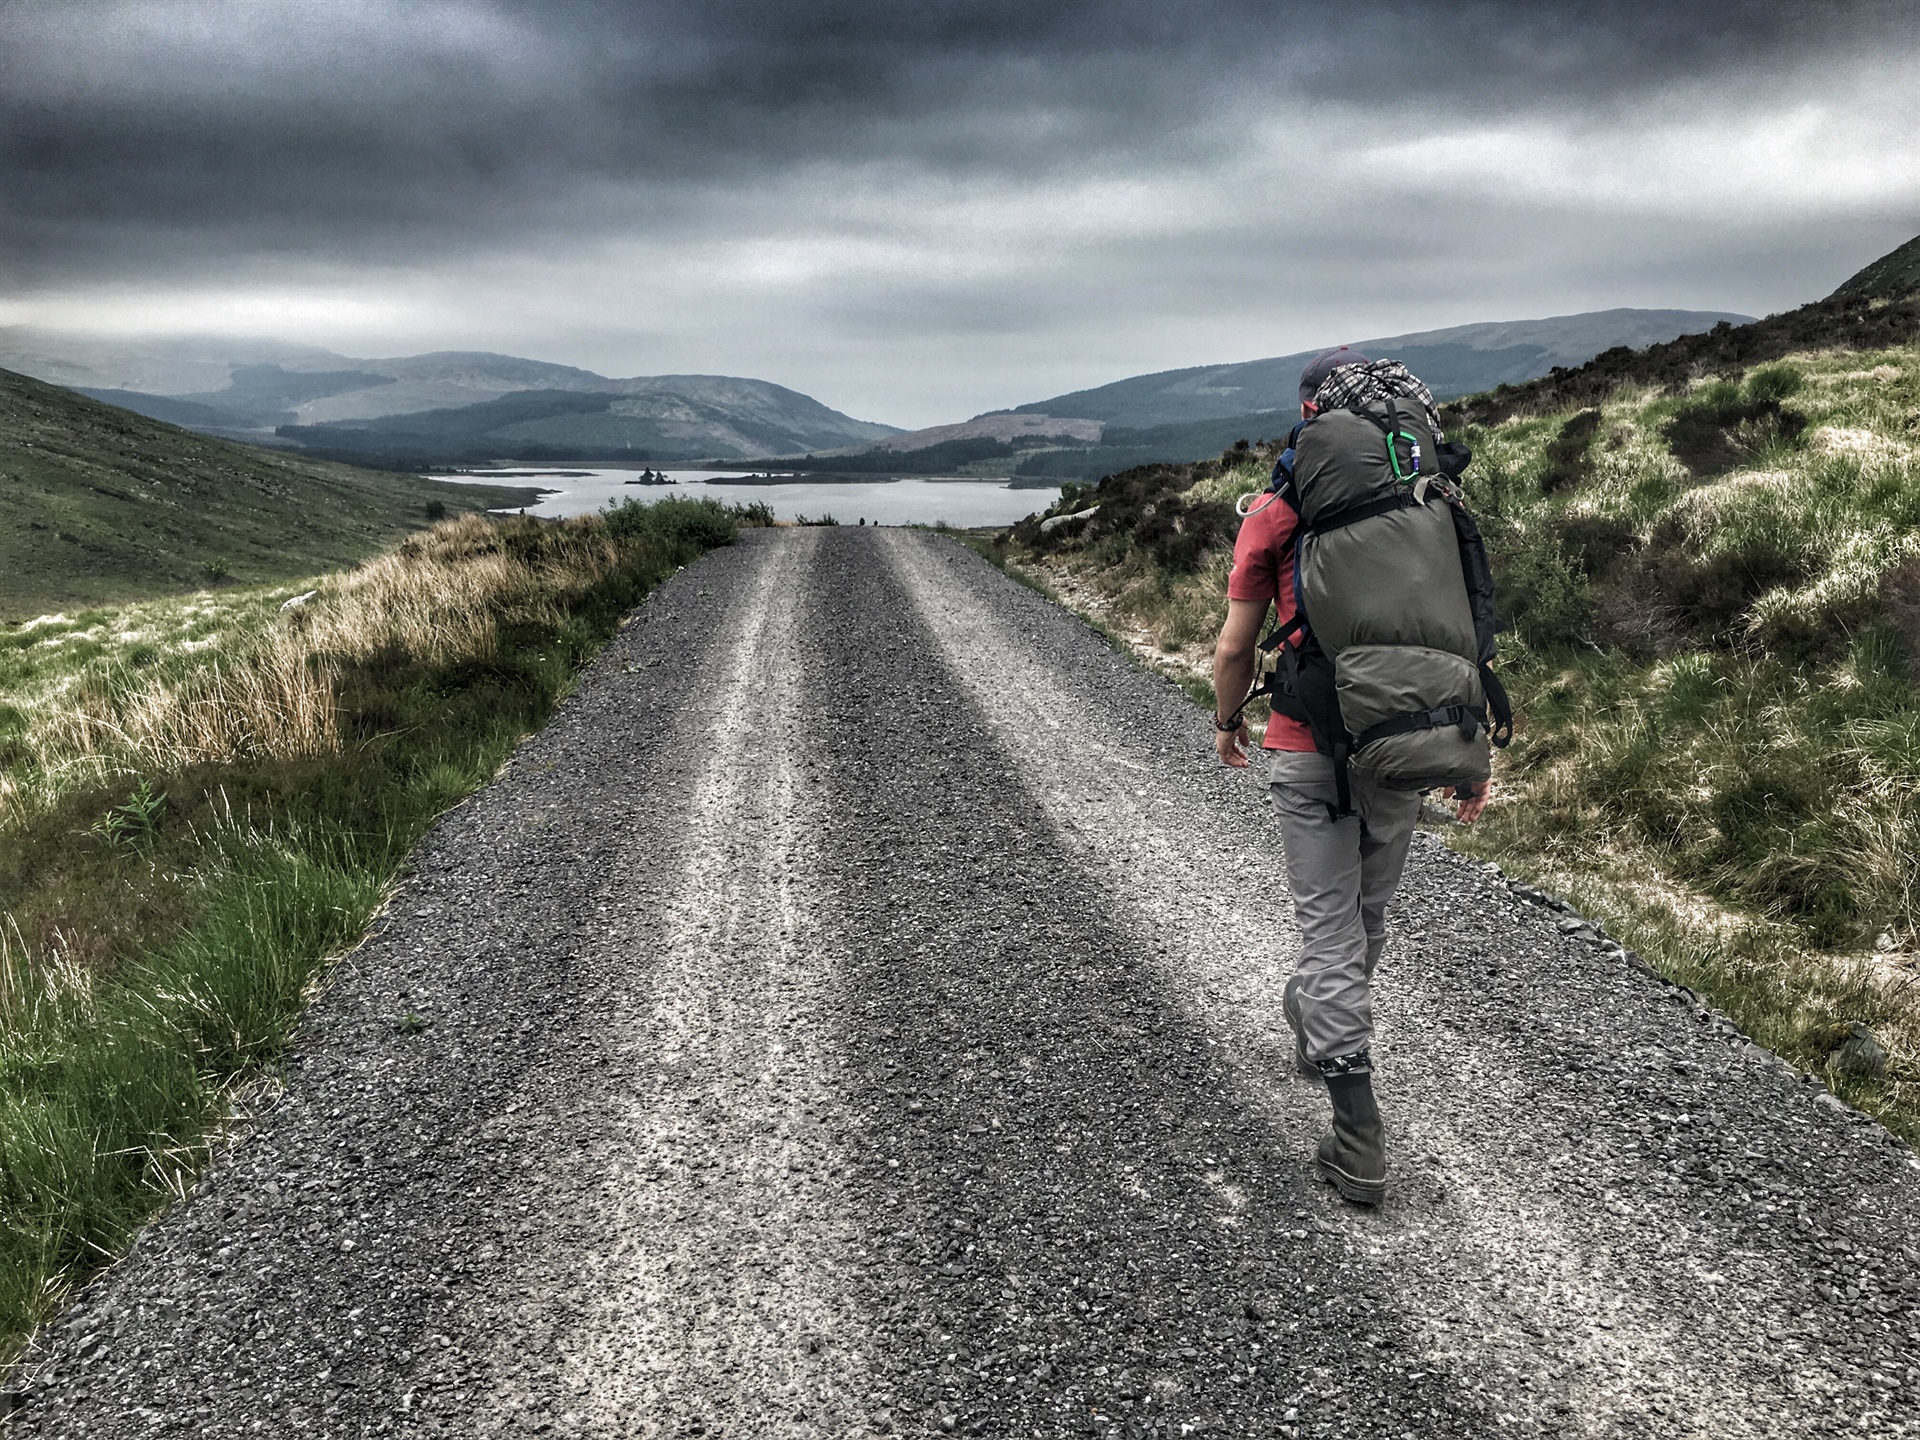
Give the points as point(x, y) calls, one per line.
point(583, 489)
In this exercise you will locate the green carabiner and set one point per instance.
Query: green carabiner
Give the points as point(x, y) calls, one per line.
point(1405, 477)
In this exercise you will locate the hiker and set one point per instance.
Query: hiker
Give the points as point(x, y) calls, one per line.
point(1347, 804)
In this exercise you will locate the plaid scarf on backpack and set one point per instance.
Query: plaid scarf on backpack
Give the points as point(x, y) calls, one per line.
point(1367, 381)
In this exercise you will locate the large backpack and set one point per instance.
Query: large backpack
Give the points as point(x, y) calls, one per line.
point(1388, 657)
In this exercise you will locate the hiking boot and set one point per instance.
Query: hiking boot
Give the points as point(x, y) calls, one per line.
point(1290, 1006)
point(1353, 1152)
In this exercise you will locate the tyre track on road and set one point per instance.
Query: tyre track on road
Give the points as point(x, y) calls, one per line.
point(1090, 1236)
point(702, 1238)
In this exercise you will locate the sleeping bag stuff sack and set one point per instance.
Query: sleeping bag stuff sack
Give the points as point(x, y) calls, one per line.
point(1393, 584)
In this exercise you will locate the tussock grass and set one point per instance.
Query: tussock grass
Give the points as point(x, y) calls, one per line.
point(1714, 590)
point(207, 798)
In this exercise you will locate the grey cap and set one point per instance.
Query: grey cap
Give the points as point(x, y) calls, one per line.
point(1323, 365)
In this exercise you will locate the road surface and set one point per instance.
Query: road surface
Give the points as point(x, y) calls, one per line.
point(858, 1013)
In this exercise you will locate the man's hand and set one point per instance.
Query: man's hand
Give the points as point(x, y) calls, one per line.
point(1231, 745)
point(1468, 800)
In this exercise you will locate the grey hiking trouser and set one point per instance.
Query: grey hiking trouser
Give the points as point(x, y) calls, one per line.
point(1342, 873)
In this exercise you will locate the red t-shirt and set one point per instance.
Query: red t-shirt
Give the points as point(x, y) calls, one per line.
point(1263, 570)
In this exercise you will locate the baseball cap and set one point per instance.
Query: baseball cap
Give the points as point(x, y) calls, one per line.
point(1323, 365)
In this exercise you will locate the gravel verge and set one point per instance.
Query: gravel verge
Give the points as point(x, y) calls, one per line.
point(857, 1013)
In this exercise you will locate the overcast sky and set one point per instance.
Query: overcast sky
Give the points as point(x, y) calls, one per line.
point(917, 211)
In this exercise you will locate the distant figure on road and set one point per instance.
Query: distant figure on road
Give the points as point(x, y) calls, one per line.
point(1363, 500)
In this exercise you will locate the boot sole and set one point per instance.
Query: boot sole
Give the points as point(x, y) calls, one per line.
point(1352, 1187)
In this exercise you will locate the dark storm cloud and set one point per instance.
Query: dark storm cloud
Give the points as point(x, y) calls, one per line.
point(921, 210)
point(158, 138)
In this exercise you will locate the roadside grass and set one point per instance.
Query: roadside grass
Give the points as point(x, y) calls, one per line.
point(1148, 567)
point(1725, 827)
point(206, 799)
point(992, 546)
point(1715, 600)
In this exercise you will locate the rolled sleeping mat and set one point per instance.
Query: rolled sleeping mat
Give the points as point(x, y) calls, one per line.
point(1436, 693)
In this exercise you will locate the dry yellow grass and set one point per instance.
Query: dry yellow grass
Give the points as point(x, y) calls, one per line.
point(267, 688)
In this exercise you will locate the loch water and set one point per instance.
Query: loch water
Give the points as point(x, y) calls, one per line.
point(583, 489)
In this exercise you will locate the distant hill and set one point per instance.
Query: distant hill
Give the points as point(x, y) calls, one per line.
point(400, 410)
point(1455, 361)
point(1182, 415)
point(674, 417)
point(104, 505)
point(175, 365)
point(256, 397)
point(986, 444)
point(1007, 425)
point(1122, 447)
point(1875, 309)
point(188, 414)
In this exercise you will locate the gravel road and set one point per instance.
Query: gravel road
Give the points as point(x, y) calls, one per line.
point(858, 1012)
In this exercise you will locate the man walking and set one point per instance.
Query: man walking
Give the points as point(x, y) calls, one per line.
point(1342, 868)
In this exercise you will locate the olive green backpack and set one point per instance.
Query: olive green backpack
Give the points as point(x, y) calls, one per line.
point(1388, 657)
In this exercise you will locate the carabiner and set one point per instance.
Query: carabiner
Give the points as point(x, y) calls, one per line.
point(1405, 477)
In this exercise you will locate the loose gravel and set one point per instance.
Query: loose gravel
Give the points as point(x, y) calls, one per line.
point(857, 1013)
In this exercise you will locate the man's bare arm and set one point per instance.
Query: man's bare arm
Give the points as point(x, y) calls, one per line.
point(1233, 661)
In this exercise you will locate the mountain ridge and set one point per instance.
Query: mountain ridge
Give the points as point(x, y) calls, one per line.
point(1895, 273)
point(1189, 414)
point(1457, 360)
point(655, 418)
point(343, 405)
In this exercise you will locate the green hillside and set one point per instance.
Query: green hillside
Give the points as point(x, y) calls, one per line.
point(586, 425)
point(1121, 448)
point(1873, 310)
point(1711, 566)
point(104, 505)
point(1893, 274)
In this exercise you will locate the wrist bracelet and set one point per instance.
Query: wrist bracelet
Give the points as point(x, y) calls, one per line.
point(1226, 726)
